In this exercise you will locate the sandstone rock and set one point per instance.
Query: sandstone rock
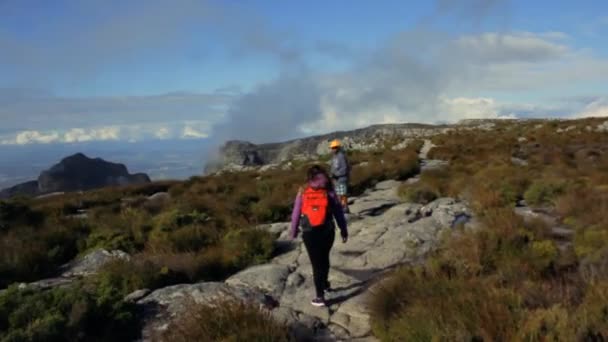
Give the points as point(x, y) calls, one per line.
point(92, 262)
point(426, 148)
point(519, 161)
point(164, 304)
point(371, 207)
point(47, 283)
point(269, 278)
point(136, 295)
point(388, 185)
point(432, 164)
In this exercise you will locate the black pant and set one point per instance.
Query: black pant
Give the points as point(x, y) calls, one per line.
point(318, 242)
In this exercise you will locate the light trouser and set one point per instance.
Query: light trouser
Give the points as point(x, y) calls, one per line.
point(318, 243)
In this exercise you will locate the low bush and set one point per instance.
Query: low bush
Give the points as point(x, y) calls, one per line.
point(543, 192)
point(425, 305)
point(417, 193)
point(225, 321)
point(249, 246)
point(65, 314)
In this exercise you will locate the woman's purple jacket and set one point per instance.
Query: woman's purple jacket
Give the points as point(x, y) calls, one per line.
point(320, 181)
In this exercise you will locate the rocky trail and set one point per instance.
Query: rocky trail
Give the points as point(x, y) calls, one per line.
point(384, 233)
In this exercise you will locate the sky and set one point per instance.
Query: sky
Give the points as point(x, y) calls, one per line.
point(268, 70)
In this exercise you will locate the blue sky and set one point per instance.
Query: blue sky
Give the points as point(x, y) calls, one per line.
point(134, 70)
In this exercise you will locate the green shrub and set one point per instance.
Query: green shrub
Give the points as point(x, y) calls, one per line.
point(249, 246)
point(121, 277)
point(111, 239)
point(16, 213)
point(30, 254)
point(417, 193)
point(589, 242)
point(424, 305)
point(591, 317)
point(225, 321)
point(543, 192)
point(64, 314)
point(543, 254)
point(552, 324)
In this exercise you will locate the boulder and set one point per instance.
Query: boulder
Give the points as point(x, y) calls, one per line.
point(92, 262)
point(136, 295)
point(269, 278)
point(161, 306)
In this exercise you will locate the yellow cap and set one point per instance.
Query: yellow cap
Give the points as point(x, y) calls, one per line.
point(335, 144)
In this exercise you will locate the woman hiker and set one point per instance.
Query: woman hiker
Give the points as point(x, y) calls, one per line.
point(315, 209)
point(340, 173)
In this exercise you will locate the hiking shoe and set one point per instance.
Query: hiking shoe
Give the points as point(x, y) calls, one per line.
point(318, 301)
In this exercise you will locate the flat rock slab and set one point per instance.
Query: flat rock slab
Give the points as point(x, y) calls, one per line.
point(45, 284)
point(371, 207)
point(92, 262)
point(269, 278)
point(432, 164)
point(164, 304)
point(388, 185)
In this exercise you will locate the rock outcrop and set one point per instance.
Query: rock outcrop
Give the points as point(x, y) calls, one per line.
point(76, 173)
point(238, 155)
point(87, 265)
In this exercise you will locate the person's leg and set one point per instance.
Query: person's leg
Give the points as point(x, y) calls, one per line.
point(344, 202)
point(314, 247)
point(328, 243)
point(344, 195)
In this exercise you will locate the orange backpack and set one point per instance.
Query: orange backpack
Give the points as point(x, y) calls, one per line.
point(315, 206)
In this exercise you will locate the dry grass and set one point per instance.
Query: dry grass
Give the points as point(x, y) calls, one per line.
point(509, 280)
point(225, 321)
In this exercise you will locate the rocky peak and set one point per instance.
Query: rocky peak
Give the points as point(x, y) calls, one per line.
point(77, 172)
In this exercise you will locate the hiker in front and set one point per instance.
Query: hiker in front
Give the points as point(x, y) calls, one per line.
point(315, 209)
point(340, 173)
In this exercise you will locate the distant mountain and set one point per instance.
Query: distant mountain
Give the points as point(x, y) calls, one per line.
point(160, 159)
point(74, 173)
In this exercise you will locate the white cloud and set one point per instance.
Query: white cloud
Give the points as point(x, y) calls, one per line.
point(459, 108)
point(195, 130)
point(27, 137)
point(597, 108)
point(508, 48)
point(132, 133)
point(163, 133)
point(190, 133)
point(94, 134)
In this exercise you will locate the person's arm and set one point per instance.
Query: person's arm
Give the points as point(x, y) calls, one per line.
point(338, 213)
point(295, 215)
